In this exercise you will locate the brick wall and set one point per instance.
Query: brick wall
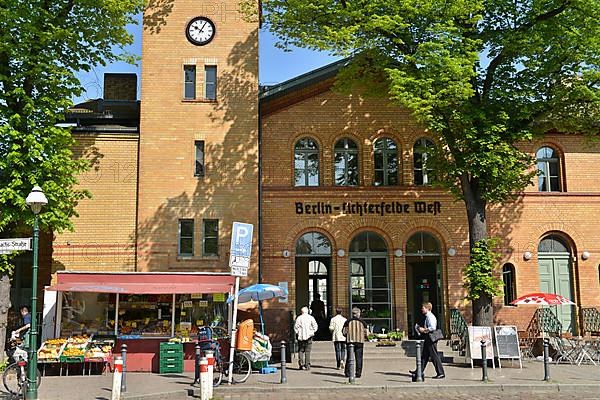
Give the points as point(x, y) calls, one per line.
point(104, 234)
point(327, 117)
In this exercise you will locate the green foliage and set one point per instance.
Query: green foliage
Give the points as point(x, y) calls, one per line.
point(479, 273)
point(42, 45)
point(481, 76)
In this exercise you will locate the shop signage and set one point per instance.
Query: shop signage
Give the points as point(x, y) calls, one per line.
point(359, 208)
point(219, 297)
point(7, 246)
point(476, 335)
point(507, 342)
point(241, 247)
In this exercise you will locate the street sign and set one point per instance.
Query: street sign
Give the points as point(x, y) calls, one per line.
point(241, 247)
point(7, 246)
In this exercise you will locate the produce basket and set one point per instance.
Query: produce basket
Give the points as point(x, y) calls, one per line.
point(51, 350)
point(74, 351)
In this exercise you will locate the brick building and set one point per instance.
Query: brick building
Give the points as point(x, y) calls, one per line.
point(337, 186)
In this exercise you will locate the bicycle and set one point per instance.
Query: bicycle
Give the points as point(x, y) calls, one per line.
point(219, 342)
point(14, 376)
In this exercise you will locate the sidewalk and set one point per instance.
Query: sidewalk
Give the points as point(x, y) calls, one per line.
point(324, 381)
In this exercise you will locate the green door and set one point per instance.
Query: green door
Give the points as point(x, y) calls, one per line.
point(555, 277)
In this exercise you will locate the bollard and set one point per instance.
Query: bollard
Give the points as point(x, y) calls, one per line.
point(419, 369)
point(197, 365)
point(484, 378)
point(124, 375)
point(546, 361)
point(210, 357)
point(116, 388)
point(283, 377)
point(204, 383)
point(350, 363)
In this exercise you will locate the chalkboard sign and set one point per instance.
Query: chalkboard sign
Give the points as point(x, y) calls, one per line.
point(476, 335)
point(507, 342)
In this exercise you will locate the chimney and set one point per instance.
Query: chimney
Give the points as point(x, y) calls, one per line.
point(120, 86)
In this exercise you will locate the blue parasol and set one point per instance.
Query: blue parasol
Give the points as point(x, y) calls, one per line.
point(259, 292)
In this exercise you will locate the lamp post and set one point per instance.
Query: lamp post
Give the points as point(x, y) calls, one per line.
point(36, 200)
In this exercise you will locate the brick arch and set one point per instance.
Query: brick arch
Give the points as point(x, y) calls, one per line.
point(372, 225)
point(429, 225)
point(565, 230)
point(296, 231)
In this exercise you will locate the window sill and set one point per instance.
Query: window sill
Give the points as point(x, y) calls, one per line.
point(197, 258)
point(198, 101)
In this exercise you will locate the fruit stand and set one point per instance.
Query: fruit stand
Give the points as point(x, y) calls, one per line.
point(141, 310)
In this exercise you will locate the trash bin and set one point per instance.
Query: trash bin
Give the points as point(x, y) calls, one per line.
point(243, 340)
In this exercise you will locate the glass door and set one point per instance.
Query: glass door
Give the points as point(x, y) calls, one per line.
point(370, 291)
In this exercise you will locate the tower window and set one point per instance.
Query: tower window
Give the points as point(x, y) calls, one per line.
point(211, 237)
point(199, 165)
point(189, 85)
point(210, 82)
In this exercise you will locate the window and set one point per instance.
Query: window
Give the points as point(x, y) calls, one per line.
point(210, 82)
point(508, 277)
point(386, 162)
point(552, 244)
point(346, 163)
point(306, 163)
point(548, 169)
point(313, 243)
point(189, 85)
point(210, 245)
point(422, 172)
point(186, 237)
point(199, 166)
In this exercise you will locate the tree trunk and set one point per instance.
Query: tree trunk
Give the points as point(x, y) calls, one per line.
point(483, 312)
point(4, 307)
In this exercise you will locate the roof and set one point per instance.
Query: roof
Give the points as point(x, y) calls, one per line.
point(100, 115)
point(302, 81)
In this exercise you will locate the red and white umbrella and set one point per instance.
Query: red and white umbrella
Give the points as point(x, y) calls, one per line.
point(543, 299)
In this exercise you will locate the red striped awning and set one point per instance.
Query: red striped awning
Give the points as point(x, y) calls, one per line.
point(143, 282)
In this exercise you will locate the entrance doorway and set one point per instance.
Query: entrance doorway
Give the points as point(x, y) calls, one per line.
point(370, 281)
point(554, 263)
point(423, 279)
point(313, 266)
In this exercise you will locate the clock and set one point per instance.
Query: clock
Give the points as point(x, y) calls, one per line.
point(200, 31)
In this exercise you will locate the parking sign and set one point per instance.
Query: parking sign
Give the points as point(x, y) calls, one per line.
point(241, 247)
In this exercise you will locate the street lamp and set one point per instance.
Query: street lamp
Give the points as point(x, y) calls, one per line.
point(36, 200)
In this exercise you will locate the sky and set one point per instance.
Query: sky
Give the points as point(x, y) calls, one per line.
point(275, 65)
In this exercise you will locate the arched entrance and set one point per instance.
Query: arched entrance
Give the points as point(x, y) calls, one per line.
point(370, 281)
point(554, 263)
point(423, 278)
point(313, 266)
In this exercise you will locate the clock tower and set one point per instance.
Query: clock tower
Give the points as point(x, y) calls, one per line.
point(198, 151)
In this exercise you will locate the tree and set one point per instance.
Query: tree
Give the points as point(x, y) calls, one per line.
point(43, 44)
point(482, 75)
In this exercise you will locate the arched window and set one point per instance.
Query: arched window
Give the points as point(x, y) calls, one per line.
point(368, 242)
point(548, 168)
point(346, 162)
point(552, 244)
point(306, 163)
point(422, 243)
point(385, 162)
point(510, 289)
point(422, 172)
point(312, 244)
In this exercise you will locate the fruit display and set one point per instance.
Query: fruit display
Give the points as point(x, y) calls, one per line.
point(72, 352)
point(51, 350)
point(99, 350)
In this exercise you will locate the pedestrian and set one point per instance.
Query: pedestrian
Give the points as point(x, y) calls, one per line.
point(430, 345)
point(23, 331)
point(317, 310)
point(339, 340)
point(355, 330)
point(305, 328)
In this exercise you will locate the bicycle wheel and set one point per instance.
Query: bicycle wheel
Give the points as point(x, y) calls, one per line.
point(11, 378)
point(217, 372)
point(241, 367)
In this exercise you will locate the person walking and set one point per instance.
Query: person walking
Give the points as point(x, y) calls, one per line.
point(339, 340)
point(430, 346)
point(355, 330)
point(305, 328)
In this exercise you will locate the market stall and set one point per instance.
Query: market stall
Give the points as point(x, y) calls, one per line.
point(141, 310)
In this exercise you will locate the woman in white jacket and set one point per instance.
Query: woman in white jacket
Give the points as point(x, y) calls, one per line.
point(339, 340)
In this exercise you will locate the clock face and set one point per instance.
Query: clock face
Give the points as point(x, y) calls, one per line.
point(200, 31)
